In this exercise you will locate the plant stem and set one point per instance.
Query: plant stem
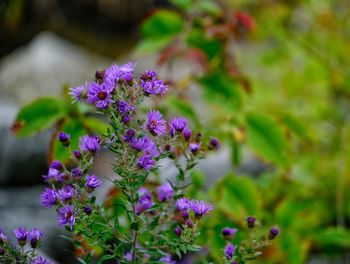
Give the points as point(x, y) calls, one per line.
point(134, 236)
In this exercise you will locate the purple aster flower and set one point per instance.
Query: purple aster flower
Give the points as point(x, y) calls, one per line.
point(34, 237)
point(126, 72)
point(177, 231)
point(167, 260)
point(80, 92)
point(3, 238)
point(251, 221)
point(77, 173)
point(91, 144)
point(64, 138)
point(145, 202)
point(130, 134)
point(214, 143)
point(187, 133)
point(182, 204)
point(88, 209)
point(178, 123)
point(124, 107)
point(274, 231)
point(165, 192)
point(21, 235)
point(56, 164)
point(66, 193)
point(228, 233)
point(156, 124)
point(92, 182)
point(145, 162)
point(53, 175)
point(112, 74)
point(48, 198)
point(100, 95)
point(41, 260)
point(229, 250)
point(145, 144)
point(157, 87)
point(147, 76)
point(128, 257)
point(66, 216)
point(200, 208)
point(77, 154)
point(194, 147)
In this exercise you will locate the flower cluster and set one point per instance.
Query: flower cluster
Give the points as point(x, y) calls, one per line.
point(22, 253)
point(69, 190)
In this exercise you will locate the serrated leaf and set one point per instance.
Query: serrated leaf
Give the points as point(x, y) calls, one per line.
point(39, 115)
point(266, 137)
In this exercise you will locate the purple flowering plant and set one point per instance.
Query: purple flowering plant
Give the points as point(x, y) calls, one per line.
point(152, 220)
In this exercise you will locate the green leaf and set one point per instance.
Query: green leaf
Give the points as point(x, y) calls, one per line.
point(237, 197)
point(39, 115)
point(159, 30)
point(209, 7)
point(198, 39)
point(333, 236)
point(296, 126)
point(293, 247)
point(266, 137)
point(183, 4)
point(222, 90)
point(95, 125)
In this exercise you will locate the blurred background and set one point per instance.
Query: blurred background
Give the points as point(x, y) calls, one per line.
point(270, 78)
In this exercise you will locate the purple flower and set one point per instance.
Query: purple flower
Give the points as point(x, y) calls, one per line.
point(54, 175)
point(126, 72)
point(124, 107)
point(56, 164)
point(66, 216)
point(34, 237)
point(64, 138)
point(66, 193)
point(214, 143)
point(128, 257)
point(177, 230)
point(80, 92)
point(165, 192)
point(126, 119)
point(41, 260)
point(76, 173)
point(178, 123)
point(229, 250)
point(145, 144)
point(91, 144)
point(156, 124)
point(274, 231)
point(187, 133)
point(145, 201)
point(182, 204)
point(228, 233)
point(189, 223)
point(21, 234)
point(145, 162)
point(251, 221)
point(200, 208)
point(194, 147)
point(3, 238)
point(100, 95)
point(147, 76)
point(167, 260)
point(111, 75)
point(92, 182)
point(130, 134)
point(157, 87)
point(48, 198)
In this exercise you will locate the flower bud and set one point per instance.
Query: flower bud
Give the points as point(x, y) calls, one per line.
point(187, 133)
point(274, 231)
point(251, 221)
point(214, 144)
point(88, 209)
point(177, 231)
point(2, 251)
point(228, 233)
point(189, 223)
point(126, 119)
point(56, 164)
point(77, 154)
point(64, 138)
